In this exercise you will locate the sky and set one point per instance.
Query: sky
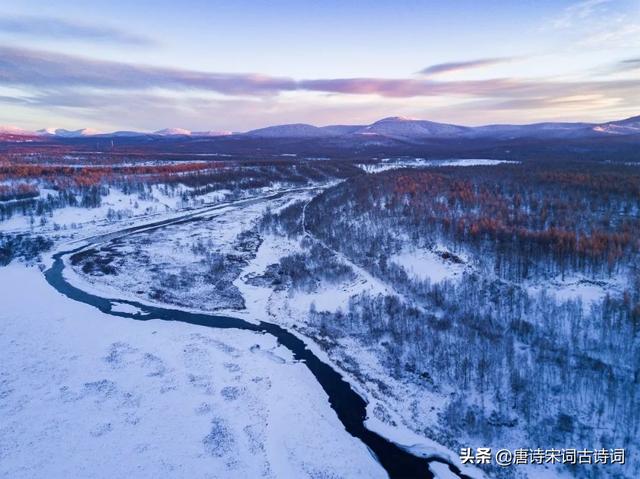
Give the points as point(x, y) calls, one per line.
point(220, 65)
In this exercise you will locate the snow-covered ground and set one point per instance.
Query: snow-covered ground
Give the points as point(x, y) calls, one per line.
point(427, 264)
point(292, 307)
point(84, 394)
point(390, 410)
point(404, 411)
point(178, 253)
point(389, 164)
point(576, 287)
point(116, 205)
point(397, 410)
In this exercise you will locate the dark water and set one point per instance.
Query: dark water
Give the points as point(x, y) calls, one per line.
point(348, 405)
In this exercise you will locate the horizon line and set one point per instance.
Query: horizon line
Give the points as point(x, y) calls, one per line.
point(5, 128)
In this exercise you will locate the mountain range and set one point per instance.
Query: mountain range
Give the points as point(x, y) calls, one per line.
point(396, 128)
point(402, 128)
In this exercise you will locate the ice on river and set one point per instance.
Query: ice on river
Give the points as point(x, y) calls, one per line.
point(84, 394)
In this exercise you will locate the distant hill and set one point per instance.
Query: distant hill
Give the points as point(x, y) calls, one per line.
point(395, 127)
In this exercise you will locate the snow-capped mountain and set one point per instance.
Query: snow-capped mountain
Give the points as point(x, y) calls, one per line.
point(295, 130)
point(125, 134)
point(173, 132)
point(46, 132)
point(533, 130)
point(339, 130)
point(183, 132)
point(212, 133)
point(629, 126)
point(394, 128)
point(63, 133)
point(14, 130)
point(409, 128)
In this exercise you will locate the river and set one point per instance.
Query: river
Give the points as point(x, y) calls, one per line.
point(349, 406)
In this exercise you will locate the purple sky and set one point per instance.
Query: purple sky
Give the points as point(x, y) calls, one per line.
point(206, 65)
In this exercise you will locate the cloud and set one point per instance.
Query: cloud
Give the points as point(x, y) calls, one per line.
point(457, 66)
point(46, 70)
point(43, 69)
point(578, 102)
point(409, 87)
point(599, 24)
point(629, 64)
point(113, 110)
point(491, 88)
point(110, 111)
point(57, 28)
point(620, 32)
point(627, 68)
point(90, 88)
point(14, 100)
point(37, 68)
point(578, 12)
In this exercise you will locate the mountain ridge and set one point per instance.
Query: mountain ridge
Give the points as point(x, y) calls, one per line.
point(394, 127)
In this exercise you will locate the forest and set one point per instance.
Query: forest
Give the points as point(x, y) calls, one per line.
point(536, 220)
point(519, 363)
point(23, 246)
point(35, 186)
